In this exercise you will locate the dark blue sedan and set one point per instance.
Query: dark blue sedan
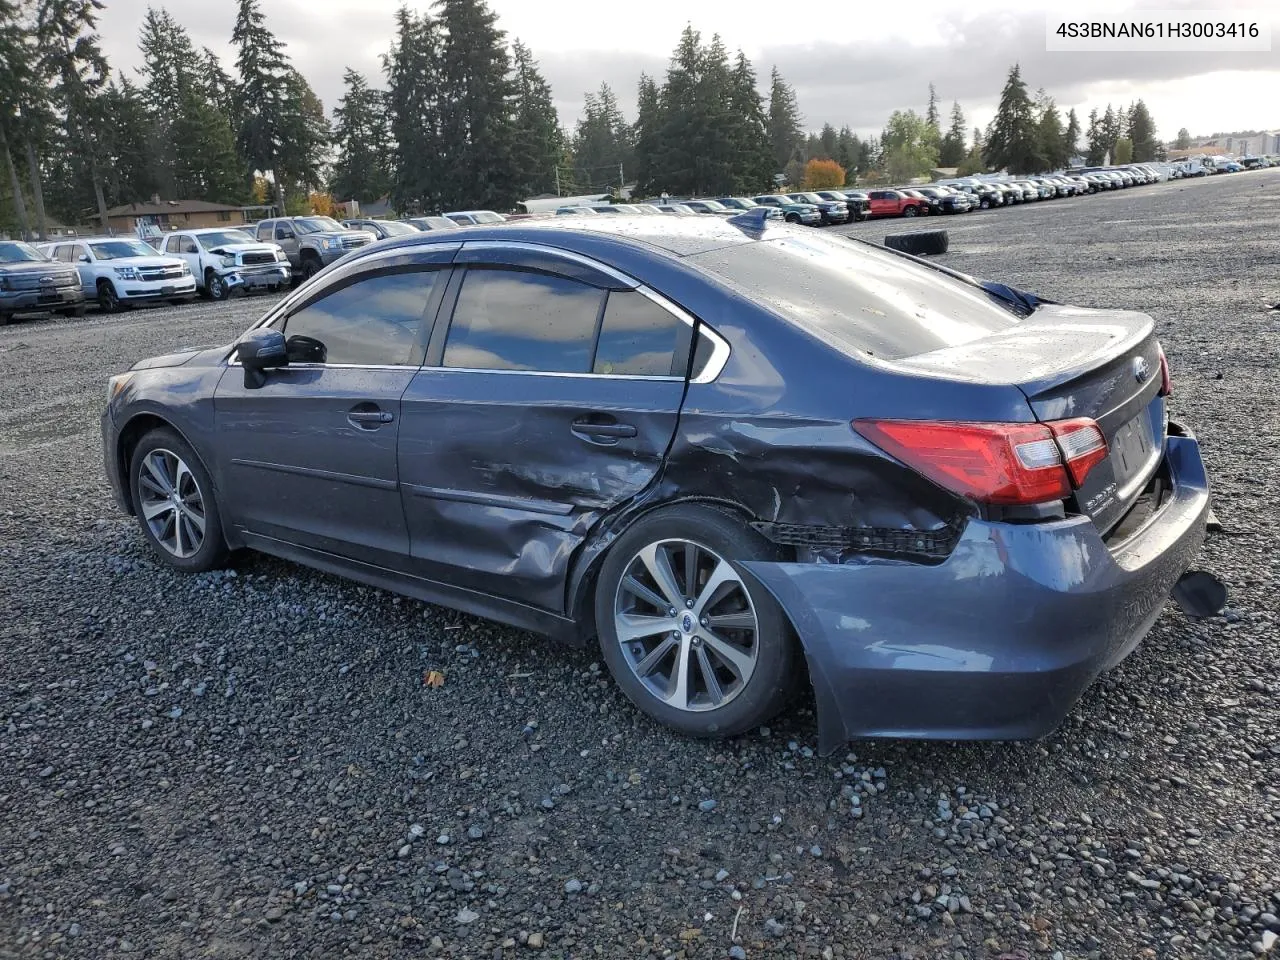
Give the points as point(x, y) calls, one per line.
point(714, 444)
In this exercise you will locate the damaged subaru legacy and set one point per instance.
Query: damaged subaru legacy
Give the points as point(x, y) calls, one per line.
point(716, 445)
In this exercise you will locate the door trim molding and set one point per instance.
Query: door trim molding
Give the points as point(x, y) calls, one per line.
point(526, 504)
point(314, 473)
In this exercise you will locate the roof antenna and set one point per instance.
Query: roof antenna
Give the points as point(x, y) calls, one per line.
point(752, 221)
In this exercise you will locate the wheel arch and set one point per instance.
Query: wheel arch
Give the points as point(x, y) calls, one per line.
point(135, 428)
point(591, 555)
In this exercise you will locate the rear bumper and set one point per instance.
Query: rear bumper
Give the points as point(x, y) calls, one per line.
point(1018, 621)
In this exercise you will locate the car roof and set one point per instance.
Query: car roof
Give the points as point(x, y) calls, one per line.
point(599, 236)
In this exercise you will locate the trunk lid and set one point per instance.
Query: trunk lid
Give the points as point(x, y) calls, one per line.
point(1076, 362)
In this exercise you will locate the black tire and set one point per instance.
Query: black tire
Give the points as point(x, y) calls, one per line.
point(108, 299)
point(310, 267)
point(773, 679)
point(910, 212)
point(215, 287)
point(792, 218)
point(212, 552)
point(921, 244)
point(984, 204)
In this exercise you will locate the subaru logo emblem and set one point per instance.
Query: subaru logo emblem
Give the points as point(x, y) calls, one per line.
point(686, 623)
point(1140, 369)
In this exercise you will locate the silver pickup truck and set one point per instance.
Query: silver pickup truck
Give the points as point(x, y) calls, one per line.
point(312, 243)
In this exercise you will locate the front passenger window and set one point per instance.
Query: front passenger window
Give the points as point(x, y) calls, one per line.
point(375, 321)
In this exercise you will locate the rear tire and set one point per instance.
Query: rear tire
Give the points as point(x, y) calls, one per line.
point(924, 243)
point(733, 639)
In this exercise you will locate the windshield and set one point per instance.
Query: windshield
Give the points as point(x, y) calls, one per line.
point(776, 198)
point(17, 252)
point(224, 238)
point(121, 249)
point(856, 297)
point(487, 216)
point(317, 224)
point(393, 229)
point(712, 205)
point(807, 198)
point(678, 208)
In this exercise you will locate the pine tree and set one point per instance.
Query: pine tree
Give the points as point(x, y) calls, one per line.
point(305, 136)
point(412, 71)
point(1071, 138)
point(828, 140)
point(933, 121)
point(1012, 141)
point(602, 149)
point(1184, 140)
point(1142, 133)
point(1095, 137)
point(537, 142)
point(206, 165)
point(786, 135)
point(647, 136)
point(753, 160)
point(130, 163)
point(262, 94)
point(17, 68)
point(1111, 128)
point(360, 135)
point(476, 127)
point(1051, 142)
point(952, 151)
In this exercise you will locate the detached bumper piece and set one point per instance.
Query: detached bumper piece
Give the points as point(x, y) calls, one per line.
point(258, 277)
point(1000, 639)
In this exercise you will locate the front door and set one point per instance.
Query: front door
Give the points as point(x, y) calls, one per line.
point(550, 397)
point(310, 457)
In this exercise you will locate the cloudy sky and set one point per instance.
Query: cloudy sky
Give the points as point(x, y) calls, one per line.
point(854, 70)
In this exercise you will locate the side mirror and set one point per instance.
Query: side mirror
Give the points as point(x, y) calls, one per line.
point(83, 258)
point(259, 351)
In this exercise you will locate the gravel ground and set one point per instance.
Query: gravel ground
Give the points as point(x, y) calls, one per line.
point(249, 764)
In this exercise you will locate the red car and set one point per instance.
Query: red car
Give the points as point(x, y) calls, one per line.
point(892, 203)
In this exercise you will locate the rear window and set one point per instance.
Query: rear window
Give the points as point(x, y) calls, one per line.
point(858, 298)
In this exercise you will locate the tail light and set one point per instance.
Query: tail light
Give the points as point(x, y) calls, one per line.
point(1166, 381)
point(998, 463)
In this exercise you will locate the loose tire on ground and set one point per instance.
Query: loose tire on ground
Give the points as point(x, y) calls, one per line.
point(920, 244)
point(698, 622)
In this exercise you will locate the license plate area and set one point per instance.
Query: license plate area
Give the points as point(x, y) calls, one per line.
point(1131, 448)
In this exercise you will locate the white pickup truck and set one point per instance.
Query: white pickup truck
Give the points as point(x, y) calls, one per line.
point(224, 260)
point(121, 270)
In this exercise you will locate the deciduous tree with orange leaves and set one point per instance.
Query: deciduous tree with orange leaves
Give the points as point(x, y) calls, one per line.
point(822, 175)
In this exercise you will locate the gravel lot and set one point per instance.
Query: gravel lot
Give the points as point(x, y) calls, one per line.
point(248, 764)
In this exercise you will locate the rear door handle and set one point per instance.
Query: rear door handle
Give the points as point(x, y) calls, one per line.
point(368, 419)
point(591, 430)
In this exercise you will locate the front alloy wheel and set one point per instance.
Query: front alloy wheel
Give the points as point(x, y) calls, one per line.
point(217, 287)
point(171, 503)
point(686, 625)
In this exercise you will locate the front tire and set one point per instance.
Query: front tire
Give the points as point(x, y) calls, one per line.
point(108, 299)
point(690, 637)
point(909, 212)
point(310, 267)
point(174, 500)
point(216, 287)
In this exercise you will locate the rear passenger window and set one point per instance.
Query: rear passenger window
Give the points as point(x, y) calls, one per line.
point(374, 321)
point(518, 320)
point(638, 337)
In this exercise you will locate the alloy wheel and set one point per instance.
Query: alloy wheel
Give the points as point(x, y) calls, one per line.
point(686, 625)
point(217, 287)
point(171, 503)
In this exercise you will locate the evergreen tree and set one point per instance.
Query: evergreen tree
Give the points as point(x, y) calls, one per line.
point(1142, 133)
point(602, 143)
point(952, 150)
point(262, 95)
point(828, 141)
point(933, 121)
point(847, 151)
point(1111, 128)
point(1071, 138)
point(305, 136)
point(1184, 140)
point(1013, 141)
point(647, 136)
point(538, 141)
point(753, 158)
point(1051, 137)
point(17, 71)
point(1095, 138)
point(360, 136)
point(973, 161)
point(130, 164)
point(786, 135)
point(474, 103)
point(1123, 151)
point(412, 71)
point(206, 165)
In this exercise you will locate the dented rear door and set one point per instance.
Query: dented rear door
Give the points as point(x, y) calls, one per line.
point(520, 432)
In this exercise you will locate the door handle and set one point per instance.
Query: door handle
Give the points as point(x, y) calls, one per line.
point(612, 430)
point(369, 419)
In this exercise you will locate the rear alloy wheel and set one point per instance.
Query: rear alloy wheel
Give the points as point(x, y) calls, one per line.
point(691, 638)
point(108, 299)
point(173, 498)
